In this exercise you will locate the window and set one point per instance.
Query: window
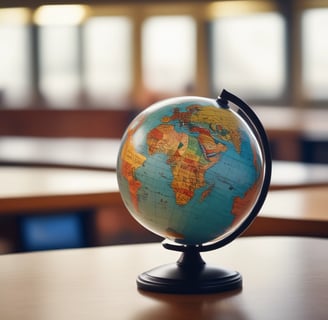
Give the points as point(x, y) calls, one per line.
point(59, 53)
point(114, 56)
point(168, 53)
point(108, 57)
point(248, 55)
point(15, 84)
point(315, 54)
point(59, 65)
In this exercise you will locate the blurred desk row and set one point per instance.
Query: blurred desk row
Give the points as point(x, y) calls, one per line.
point(25, 189)
point(101, 154)
point(295, 134)
point(96, 154)
point(92, 196)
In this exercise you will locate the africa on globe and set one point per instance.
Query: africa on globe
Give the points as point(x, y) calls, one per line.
point(190, 169)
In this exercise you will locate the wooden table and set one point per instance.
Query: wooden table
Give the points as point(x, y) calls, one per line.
point(292, 175)
point(41, 189)
point(95, 154)
point(90, 196)
point(301, 212)
point(287, 127)
point(283, 278)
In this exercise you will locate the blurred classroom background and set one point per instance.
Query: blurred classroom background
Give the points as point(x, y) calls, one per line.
point(74, 73)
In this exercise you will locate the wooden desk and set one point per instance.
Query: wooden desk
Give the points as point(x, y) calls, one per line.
point(287, 127)
point(54, 191)
point(279, 121)
point(300, 212)
point(283, 278)
point(293, 175)
point(96, 154)
point(41, 189)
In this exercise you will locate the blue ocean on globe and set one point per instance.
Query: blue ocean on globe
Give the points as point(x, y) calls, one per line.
point(189, 170)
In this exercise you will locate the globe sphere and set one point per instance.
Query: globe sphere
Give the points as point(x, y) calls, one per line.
point(190, 169)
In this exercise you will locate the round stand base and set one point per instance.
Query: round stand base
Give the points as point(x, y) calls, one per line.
point(172, 278)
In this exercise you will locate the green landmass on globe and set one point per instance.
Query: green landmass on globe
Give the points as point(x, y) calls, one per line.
point(189, 169)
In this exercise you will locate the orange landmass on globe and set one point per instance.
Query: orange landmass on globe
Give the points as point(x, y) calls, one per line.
point(164, 139)
point(174, 235)
point(131, 160)
point(182, 117)
point(243, 204)
point(206, 193)
point(188, 157)
point(213, 117)
point(210, 149)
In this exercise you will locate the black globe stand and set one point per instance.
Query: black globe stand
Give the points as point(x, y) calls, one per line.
point(190, 274)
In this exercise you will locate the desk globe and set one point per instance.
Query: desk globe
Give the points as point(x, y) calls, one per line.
point(195, 171)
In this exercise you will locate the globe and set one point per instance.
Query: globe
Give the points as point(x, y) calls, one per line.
point(193, 170)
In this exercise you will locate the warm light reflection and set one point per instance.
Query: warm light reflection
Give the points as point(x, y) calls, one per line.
point(14, 16)
point(60, 14)
point(233, 8)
